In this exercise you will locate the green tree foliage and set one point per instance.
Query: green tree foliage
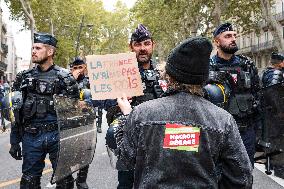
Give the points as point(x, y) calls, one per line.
point(100, 30)
point(114, 32)
point(171, 21)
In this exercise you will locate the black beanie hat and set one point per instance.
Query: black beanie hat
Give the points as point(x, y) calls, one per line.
point(189, 61)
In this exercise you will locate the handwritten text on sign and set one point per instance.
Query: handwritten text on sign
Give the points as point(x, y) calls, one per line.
point(112, 75)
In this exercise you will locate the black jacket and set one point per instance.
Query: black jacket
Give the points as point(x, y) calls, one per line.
point(213, 157)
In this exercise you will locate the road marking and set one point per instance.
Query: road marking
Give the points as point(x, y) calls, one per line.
point(3, 184)
point(93, 130)
point(14, 181)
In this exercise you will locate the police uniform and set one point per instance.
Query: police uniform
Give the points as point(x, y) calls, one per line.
point(272, 106)
point(151, 90)
point(83, 83)
point(271, 75)
point(36, 126)
point(242, 77)
point(2, 94)
point(181, 141)
point(151, 87)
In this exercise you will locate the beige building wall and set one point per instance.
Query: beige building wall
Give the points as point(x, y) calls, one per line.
point(260, 46)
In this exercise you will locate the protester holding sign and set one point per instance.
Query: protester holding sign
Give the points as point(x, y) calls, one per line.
point(183, 140)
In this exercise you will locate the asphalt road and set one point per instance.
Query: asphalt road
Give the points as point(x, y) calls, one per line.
point(101, 174)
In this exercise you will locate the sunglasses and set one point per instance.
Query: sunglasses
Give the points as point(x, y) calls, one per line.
point(77, 67)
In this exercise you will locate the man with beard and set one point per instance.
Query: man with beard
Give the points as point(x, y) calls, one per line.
point(36, 120)
point(240, 74)
point(142, 44)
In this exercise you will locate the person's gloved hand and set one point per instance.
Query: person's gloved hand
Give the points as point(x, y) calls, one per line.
point(16, 151)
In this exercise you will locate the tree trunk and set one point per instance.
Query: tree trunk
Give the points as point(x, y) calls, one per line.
point(217, 13)
point(28, 12)
point(274, 25)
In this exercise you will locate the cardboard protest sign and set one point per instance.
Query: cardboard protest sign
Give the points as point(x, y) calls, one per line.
point(112, 75)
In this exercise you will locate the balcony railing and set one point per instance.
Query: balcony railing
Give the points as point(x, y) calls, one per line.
point(263, 46)
point(244, 50)
point(257, 48)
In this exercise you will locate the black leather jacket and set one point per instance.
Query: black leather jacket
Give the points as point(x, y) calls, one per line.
point(158, 143)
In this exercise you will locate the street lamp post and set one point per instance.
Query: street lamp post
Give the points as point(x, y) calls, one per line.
point(79, 33)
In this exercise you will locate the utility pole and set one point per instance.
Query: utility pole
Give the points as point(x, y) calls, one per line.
point(51, 27)
point(78, 37)
point(81, 26)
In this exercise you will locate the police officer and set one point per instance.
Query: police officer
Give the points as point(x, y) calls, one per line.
point(180, 140)
point(274, 73)
point(36, 126)
point(240, 73)
point(2, 94)
point(142, 44)
point(79, 71)
point(272, 105)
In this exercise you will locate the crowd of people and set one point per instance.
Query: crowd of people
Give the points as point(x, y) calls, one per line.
point(194, 127)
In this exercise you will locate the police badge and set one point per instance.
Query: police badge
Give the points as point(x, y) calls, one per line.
point(42, 87)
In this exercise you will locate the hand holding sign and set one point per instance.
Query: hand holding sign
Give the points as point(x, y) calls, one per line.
point(112, 75)
point(124, 105)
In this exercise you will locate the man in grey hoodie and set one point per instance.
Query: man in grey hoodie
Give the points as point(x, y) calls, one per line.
point(183, 140)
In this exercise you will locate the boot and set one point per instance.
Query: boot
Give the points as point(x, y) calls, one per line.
point(30, 182)
point(82, 178)
point(99, 121)
point(99, 130)
point(66, 183)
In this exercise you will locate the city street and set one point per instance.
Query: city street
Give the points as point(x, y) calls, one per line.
point(101, 175)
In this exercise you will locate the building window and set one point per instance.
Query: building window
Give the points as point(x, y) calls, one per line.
point(258, 40)
point(244, 42)
point(266, 36)
point(273, 9)
point(259, 62)
point(249, 41)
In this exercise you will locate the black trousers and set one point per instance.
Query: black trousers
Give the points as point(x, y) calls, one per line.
point(125, 179)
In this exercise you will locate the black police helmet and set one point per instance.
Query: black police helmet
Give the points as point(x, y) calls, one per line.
point(218, 94)
point(85, 94)
point(11, 102)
